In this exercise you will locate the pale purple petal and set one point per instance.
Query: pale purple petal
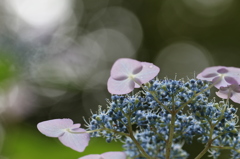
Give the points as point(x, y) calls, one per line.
point(220, 82)
point(236, 88)
point(75, 126)
point(223, 92)
point(233, 91)
point(234, 73)
point(91, 157)
point(209, 73)
point(209, 76)
point(120, 87)
point(75, 141)
point(224, 76)
point(114, 155)
point(231, 80)
point(223, 70)
point(224, 81)
point(55, 127)
point(138, 83)
point(127, 74)
point(125, 67)
point(236, 97)
point(148, 72)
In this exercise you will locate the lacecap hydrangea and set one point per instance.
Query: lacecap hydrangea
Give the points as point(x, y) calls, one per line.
point(162, 116)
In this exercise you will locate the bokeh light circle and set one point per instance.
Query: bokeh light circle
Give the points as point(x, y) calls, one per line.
point(184, 58)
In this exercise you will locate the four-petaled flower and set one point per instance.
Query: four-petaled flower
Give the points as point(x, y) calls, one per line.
point(127, 74)
point(67, 132)
point(232, 92)
point(107, 155)
point(221, 76)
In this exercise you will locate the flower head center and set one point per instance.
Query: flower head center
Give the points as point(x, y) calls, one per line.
point(222, 75)
point(67, 130)
point(131, 76)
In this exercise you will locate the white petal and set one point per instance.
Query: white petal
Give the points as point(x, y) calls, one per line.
point(209, 73)
point(91, 157)
point(120, 87)
point(55, 127)
point(223, 92)
point(236, 97)
point(148, 72)
point(75, 141)
point(114, 155)
point(220, 82)
point(125, 67)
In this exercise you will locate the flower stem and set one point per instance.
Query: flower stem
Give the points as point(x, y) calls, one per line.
point(220, 147)
point(135, 141)
point(156, 99)
point(170, 137)
point(229, 94)
point(154, 96)
point(208, 144)
point(91, 131)
point(139, 147)
point(195, 95)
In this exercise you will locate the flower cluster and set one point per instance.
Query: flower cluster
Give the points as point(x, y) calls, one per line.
point(155, 122)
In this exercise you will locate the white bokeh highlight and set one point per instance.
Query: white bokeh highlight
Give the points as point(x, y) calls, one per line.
point(119, 19)
point(40, 13)
point(209, 7)
point(182, 58)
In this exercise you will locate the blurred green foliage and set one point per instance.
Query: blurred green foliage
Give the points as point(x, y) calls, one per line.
point(26, 142)
point(8, 68)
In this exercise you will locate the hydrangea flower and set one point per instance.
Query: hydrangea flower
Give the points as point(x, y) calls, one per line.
point(107, 155)
point(127, 74)
point(232, 92)
point(156, 123)
point(220, 75)
point(64, 130)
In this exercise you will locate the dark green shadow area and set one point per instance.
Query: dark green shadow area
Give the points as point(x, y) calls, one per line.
point(195, 148)
point(25, 142)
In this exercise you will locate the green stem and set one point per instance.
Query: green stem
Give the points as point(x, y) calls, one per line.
point(112, 130)
point(83, 132)
point(156, 99)
point(154, 96)
point(120, 133)
point(229, 94)
point(195, 95)
point(220, 147)
point(208, 144)
point(135, 141)
point(129, 127)
point(171, 133)
point(139, 147)
point(221, 117)
point(225, 148)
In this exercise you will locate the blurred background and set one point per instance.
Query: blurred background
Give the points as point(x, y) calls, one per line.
point(56, 55)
